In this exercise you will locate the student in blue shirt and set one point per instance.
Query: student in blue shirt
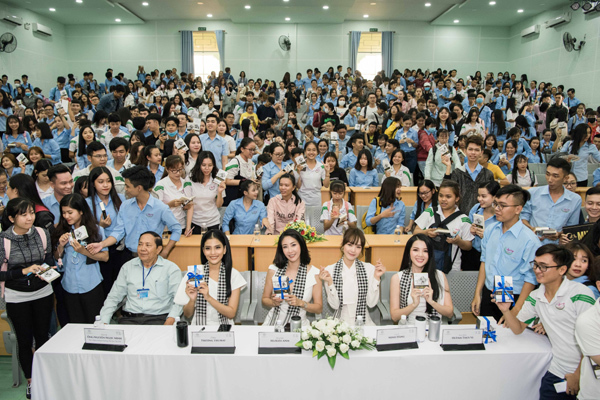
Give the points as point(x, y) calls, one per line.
point(274, 170)
point(571, 100)
point(350, 119)
point(5, 110)
point(61, 181)
point(546, 143)
point(246, 212)
point(426, 198)
point(580, 150)
point(10, 164)
point(534, 155)
point(81, 279)
point(444, 122)
point(501, 101)
point(506, 160)
point(152, 159)
point(62, 134)
point(46, 142)
point(552, 206)
point(522, 147)
point(364, 174)
point(409, 140)
point(578, 118)
point(349, 160)
point(54, 95)
point(141, 212)
point(392, 209)
point(485, 195)
point(214, 143)
point(491, 144)
point(78, 146)
point(507, 248)
point(15, 139)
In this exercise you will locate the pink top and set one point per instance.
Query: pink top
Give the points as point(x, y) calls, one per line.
point(281, 212)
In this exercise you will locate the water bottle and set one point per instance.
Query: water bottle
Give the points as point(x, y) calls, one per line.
point(403, 320)
point(98, 323)
point(344, 227)
point(203, 229)
point(420, 323)
point(279, 326)
point(177, 319)
point(397, 232)
point(360, 325)
point(256, 233)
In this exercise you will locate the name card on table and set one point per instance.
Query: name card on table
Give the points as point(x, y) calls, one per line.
point(278, 342)
point(213, 343)
point(397, 339)
point(462, 339)
point(104, 339)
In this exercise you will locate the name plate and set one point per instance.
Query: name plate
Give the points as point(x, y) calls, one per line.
point(278, 343)
point(213, 343)
point(397, 339)
point(462, 339)
point(104, 339)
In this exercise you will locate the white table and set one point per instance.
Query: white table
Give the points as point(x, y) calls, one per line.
point(153, 367)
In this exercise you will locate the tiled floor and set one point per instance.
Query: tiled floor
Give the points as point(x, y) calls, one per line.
point(7, 392)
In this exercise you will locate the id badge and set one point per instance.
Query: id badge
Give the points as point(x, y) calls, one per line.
point(143, 293)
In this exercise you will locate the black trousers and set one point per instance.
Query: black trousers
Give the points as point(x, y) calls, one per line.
point(110, 269)
point(582, 183)
point(83, 307)
point(61, 309)
point(64, 156)
point(31, 320)
point(487, 308)
point(143, 320)
point(197, 230)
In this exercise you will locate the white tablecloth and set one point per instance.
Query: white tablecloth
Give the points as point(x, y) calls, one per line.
point(153, 367)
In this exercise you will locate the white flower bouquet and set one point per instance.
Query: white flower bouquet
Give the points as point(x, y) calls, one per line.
point(331, 337)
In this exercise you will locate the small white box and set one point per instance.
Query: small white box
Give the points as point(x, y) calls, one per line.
point(221, 176)
point(421, 280)
point(478, 221)
point(503, 296)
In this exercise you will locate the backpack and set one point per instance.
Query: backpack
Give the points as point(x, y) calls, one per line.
point(442, 250)
point(370, 230)
point(7, 243)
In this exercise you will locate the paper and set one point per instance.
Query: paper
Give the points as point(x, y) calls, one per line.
point(334, 136)
point(81, 233)
point(180, 145)
point(421, 280)
point(386, 165)
point(186, 200)
point(397, 335)
point(301, 161)
point(288, 168)
point(197, 123)
point(278, 339)
point(104, 336)
point(48, 273)
point(63, 93)
point(221, 176)
point(561, 387)
point(65, 105)
point(213, 339)
point(478, 221)
point(259, 171)
point(22, 158)
point(542, 231)
point(462, 336)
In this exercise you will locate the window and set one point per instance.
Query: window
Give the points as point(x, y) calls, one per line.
point(206, 54)
point(369, 54)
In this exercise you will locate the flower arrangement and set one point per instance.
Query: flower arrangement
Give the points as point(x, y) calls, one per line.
point(331, 337)
point(308, 232)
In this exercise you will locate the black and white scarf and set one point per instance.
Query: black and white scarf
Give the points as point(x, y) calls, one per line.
point(221, 296)
point(363, 286)
point(406, 279)
point(297, 291)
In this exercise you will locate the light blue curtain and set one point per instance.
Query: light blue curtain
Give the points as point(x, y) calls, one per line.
point(354, 42)
point(187, 52)
point(221, 45)
point(387, 52)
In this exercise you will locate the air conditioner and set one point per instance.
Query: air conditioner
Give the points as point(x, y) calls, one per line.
point(42, 29)
point(13, 19)
point(532, 30)
point(561, 19)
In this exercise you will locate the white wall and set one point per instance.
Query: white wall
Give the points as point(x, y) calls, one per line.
point(42, 58)
point(543, 57)
point(254, 47)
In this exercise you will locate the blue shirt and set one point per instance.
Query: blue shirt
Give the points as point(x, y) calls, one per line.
point(473, 174)
point(501, 104)
point(509, 254)
point(269, 171)
point(361, 179)
point(63, 138)
point(110, 211)
point(537, 158)
point(53, 205)
point(159, 173)
point(79, 277)
point(575, 120)
point(50, 149)
point(350, 121)
point(596, 177)
point(16, 170)
point(348, 161)
point(8, 111)
point(579, 167)
point(485, 114)
point(505, 168)
point(571, 102)
point(584, 280)
point(477, 209)
point(132, 222)
point(387, 226)
point(495, 156)
point(54, 94)
point(21, 138)
point(540, 210)
point(244, 220)
point(411, 134)
point(218, 146)
point(341, 143)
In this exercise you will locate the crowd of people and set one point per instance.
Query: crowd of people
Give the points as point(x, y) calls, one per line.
point(95, 173)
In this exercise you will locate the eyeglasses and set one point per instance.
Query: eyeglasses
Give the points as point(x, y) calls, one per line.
point(503, 206)
point(570, 184)
point(424, 193)
point(100, 156)
point(175, 171)
point(542, 268)
point(253, 149)
point(278, 154)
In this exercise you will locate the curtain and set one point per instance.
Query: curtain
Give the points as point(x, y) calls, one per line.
point(187, 52)
point(221, 45)
point(387, 52)
point(354, 42)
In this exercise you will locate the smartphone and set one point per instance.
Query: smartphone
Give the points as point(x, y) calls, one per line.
point(224, 328)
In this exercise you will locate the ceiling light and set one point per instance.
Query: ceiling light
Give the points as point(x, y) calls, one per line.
point(145, 3)
point(373, 4)
point(78, 1)
point(325, 7)
point(287, 18)
point(200, 3)
point(366, 16)
point(492, 3)
point(597, 6)
point(209, 15)
point(575, 6)
point(587, 6)
point(456, 21)
point(285, 1)
point(520, 10)
point(427, 4)
point(247, 7)
point(117, 20)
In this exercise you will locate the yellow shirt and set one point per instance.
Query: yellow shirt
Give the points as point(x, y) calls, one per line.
point(498, 174)
point(253, 118)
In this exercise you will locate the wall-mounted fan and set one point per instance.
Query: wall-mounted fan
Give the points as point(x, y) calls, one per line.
point(570, 42)
point(8, 43)
point(285, 43)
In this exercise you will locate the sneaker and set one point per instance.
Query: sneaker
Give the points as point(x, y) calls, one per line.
point(28, 392)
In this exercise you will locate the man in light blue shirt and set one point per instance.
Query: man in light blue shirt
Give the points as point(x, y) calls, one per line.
point(357, 142)
point(507, 248)
point(215, 143)
point(148, 285)
point(408, 139)
point(571, 100)
point(141, 213)
point(54, 95)
point(61, 181)
point(552, 206)
point(502, 100)
point(485, 114)
point(342, 142)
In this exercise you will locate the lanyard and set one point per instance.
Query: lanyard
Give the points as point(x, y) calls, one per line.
point(145, 276)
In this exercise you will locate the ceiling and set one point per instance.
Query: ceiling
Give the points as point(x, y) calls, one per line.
point(440, 12)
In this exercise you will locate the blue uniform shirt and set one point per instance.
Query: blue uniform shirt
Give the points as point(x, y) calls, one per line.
point(50, 149)
point(244, 220)
point(63, 138)
point(579, 167)
point(23, 138)
point(110, 211)
point(478, 210)
point(79, 277)
point(159, 173)
point(53, 205)
point(218, 146)
point(361, 179)
point(387, 226)
point(411, 134)
point(269, 171)
point(348, 161)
